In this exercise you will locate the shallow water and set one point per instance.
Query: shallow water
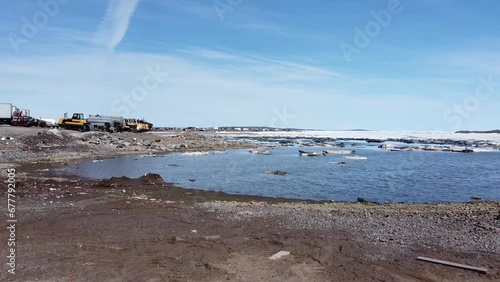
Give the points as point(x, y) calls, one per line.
point(385, 176)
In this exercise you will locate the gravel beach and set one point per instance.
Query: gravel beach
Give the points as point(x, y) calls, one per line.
point(124, 229)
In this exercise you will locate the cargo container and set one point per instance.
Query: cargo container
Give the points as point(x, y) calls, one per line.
point(6, 112)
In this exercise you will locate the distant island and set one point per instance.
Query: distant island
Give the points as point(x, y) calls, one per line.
point(479, 131)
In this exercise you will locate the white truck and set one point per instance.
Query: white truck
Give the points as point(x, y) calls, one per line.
point(6, 113)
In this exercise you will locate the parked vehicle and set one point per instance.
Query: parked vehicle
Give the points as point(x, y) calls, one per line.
point(6, 113)
point(76, 122)
point(105, 123)
point(49, 122)
point(19, 119)
point(137, 125)
point(39, 122)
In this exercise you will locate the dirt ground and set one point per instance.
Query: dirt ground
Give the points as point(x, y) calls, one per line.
point(121, 229)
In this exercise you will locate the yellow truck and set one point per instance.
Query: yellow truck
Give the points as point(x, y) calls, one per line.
point(76, 122)
point(137, 125)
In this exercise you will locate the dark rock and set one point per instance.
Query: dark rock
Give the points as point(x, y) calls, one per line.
point(115, 181)
point(148, 179)
point(365, 201)
point(151, 179)
point(475, 197)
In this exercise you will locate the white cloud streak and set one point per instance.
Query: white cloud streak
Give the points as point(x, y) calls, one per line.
point(268, 67)
point(115, 23)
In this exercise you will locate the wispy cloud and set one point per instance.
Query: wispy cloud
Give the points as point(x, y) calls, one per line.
point(115, 23)
point(267, 67)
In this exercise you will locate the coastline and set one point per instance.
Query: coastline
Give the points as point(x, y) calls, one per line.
point(369, 134)
point(194, 235)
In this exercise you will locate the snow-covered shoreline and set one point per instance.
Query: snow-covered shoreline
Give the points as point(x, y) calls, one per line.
point(382, 135)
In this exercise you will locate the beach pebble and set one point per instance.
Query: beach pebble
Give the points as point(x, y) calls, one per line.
point(279, 255)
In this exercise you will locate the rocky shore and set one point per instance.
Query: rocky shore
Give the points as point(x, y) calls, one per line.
point(144, 229)
point(399, 144)
point(29, 145)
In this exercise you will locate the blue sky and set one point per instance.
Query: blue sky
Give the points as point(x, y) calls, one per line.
point(384, 65)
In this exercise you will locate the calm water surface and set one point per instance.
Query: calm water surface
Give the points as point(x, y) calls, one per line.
point(385, 176)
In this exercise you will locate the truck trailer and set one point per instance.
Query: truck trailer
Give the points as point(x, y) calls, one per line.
point(6, 113)
point(105, 123)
